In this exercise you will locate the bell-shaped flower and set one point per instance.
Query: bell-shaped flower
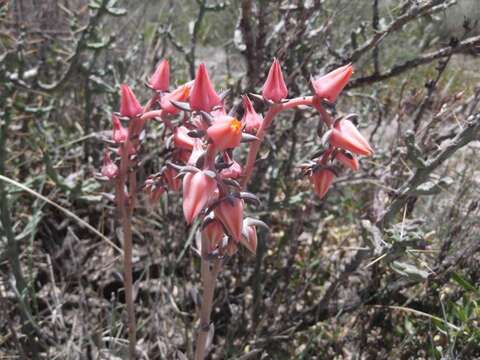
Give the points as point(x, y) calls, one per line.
point(249, 238)
point(251, 119)
point(329, 86)
point(180, 94)
point(231, 248)
point(160, 80)
point(129, 105)
point(109, 169)
point(181, 140)
point(119, 133)
point(321, 180)
point(198, 188)
point(181, 156)
point(171, 179)
point(274, 88)
point(213, 232)
point(154, 190)
point(203, 95)
point(234, 171)
point(346, 136)
point(347, 159)
point(230, 212)
point(225, 133)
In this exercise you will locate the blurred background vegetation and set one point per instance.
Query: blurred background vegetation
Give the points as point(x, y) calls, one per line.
point(385, 267)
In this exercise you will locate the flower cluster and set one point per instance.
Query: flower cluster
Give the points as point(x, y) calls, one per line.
point(203, 137)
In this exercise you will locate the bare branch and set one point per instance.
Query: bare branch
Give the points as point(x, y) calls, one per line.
point(429, 7)
point(472, 43)
point(470, 133)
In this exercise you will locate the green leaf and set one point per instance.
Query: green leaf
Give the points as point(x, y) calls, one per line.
point(409, 270)
point(94, 5)
point(461, 281)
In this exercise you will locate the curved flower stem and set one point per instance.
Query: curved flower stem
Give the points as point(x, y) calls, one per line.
point(255, 145)
point(324, 114)
point(152, 114)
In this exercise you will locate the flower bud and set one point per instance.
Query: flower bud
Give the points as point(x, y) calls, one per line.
point(198, 188)
point(234, 171)
point(249, 238)
point(346, 136)
point(329, 86)
point(129, 105)
point(109, 169)
point(119, 134)
point(171, 179)
point(203, 96)
point(251, 119)
point(154, 190)
point(160, 79)
point(347, 159)
point(214, 234)
point(321, 180)
point(274, 88)
point(230, 212)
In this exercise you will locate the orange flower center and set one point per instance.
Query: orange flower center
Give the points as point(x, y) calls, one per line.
point(235, 125)
point(185, 92)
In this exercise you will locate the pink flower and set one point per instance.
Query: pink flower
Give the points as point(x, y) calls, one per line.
point(203, 96)
point(214, 233)
point(179, 94)
point(231, 248)
point(225, 133)
point(170, 176)
point(249, 238)
point(346, 136)
point(120, 134)
point(230, 212)
point(181, 139)
point(347, 159)
point(252, 120)
point(274, 88)
point(154, 190)
point(234, 171)
point(129, 105)
point(330, 85)
point(109, 169)
point(160, 79)
point(198, 188)
point(321, 180)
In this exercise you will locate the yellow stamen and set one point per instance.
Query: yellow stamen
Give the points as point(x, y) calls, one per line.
point(235, 125)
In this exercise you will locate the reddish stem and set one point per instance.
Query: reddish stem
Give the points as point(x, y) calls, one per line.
point(255, 145)
point(209, 272)
point(126, 204)
point(125, 218)
point(210, 269)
